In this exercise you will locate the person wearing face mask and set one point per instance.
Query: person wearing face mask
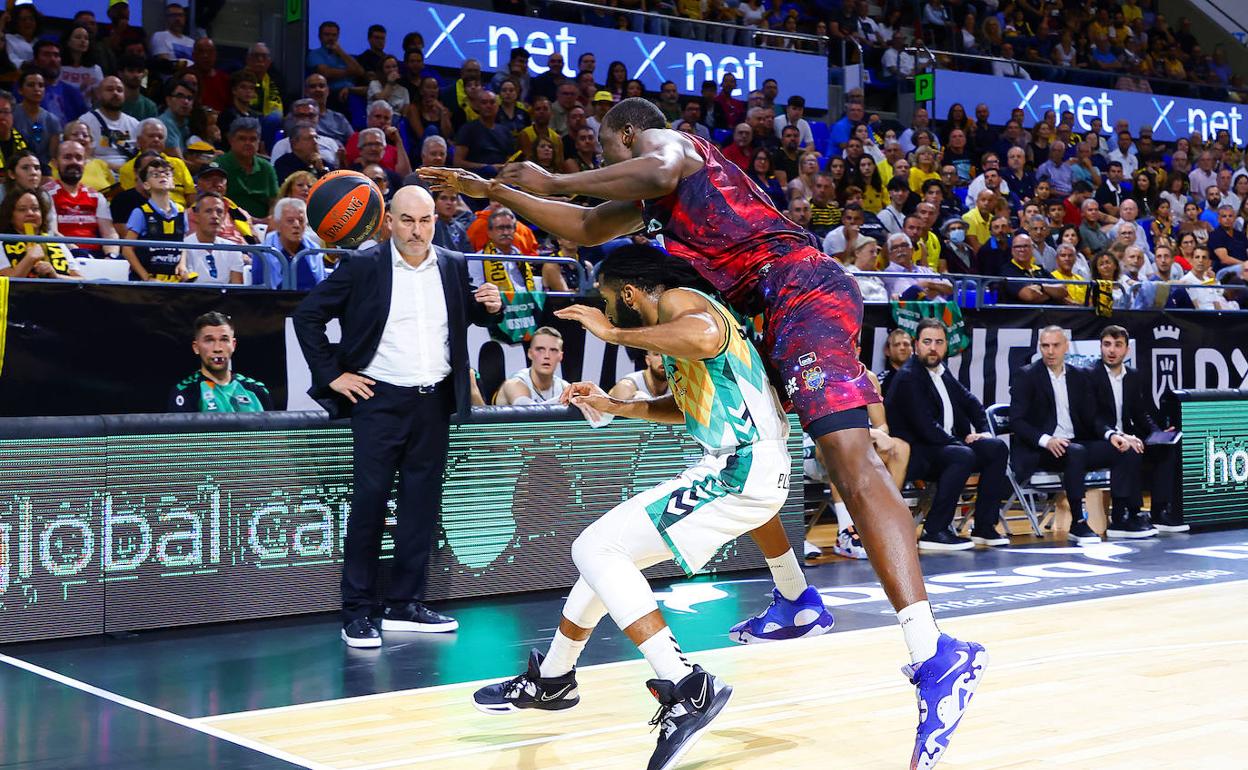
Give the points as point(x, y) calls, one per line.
point(958, 255)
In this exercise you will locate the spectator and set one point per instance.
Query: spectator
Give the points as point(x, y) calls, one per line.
point(152, 137)
point(668, 102)
point(80, 211)
point(428, 116)
point(1065, 271)
point(990, 178)
point(133, 73)
point(898, 348)
point(62, 99)
point(214, 84)
point(919, 228)
point(40, 128)
point(176, 117)
point(509, 277)
point(957, 256)
point(1128, 213)
point(212, 265)
point(372, 143)
point(1043, 255)
point(252, 180)
point(799, 212)
point(81, 71)
point(1228, 246)
point(601, 105)
point(540, 128)
point(648, 382)
point(11, 140)
point(514, 115)
point(373, 56)
point(793, 115)
point(844, 238)
point(331, 124)
point(1022, 266)
point(243, 90)
point(901, 260)
point(1057, 427)
point(289, 236)
point(866, 255)
point(538, 383)
point(305, 112)
point(761, 172)
point(20, 43)
point(1202, 275)
point(517, 70)
point(947, 430)
point(1007, 67)
point(157, 219)
point(1111, 192)
point(383, 178)
point(460, 97)
point(1056, 170)
point(338, 67)
point(1093, 237)
point(565, 103)
point(548, 83)
point(482, 145)
point(843, 129)
point(216, 387)
point(1202, 177)
point(803, 185)
point(387, 85)
point(237, 227)
point(874, 199)
point(305, 155)
point(448, 231)
point(172, 43)
point(692, 116)
point(739, 151)
point(393, 154)
point(114, 134)
point(825, 212)
point(96, 173)
point(24, 212)
point(432, 153)
point(1125, 155)
point(893, 216)
point(979, 219)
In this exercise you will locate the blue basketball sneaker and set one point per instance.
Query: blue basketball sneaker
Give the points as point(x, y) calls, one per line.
point(945, 682)
point(784, 619)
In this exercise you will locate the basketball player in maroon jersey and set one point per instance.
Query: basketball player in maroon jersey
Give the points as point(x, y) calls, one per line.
point(704, 209)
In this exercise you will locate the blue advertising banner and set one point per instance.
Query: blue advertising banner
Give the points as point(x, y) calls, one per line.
point(453, 34)
point(1169, 117)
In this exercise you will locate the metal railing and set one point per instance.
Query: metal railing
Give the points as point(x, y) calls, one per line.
point(712, 31)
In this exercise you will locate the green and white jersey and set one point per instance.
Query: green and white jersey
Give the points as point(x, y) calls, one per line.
point(727, 399)
point(197, 393)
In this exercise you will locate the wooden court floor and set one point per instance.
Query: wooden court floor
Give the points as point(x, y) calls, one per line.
point(1154, 681)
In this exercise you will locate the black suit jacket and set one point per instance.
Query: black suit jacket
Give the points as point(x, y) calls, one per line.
point(1138, 416)
point(915, 411)
point(358, 294)
point(1033, 412)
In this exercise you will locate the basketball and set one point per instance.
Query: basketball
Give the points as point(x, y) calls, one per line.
point(345, 208)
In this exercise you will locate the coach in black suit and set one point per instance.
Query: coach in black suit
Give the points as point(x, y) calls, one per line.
point(401, 370)
point(949, 440)
point(1125, 405)
point(1057, 427)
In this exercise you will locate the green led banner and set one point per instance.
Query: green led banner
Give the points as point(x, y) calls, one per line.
point(1215, 461)
point(127, 532)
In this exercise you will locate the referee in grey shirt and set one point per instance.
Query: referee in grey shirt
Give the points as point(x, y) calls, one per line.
point(400, 370)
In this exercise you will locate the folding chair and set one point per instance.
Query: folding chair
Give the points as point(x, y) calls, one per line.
point(1036, 496)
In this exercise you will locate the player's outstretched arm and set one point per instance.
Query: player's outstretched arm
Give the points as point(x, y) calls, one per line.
point(688, 328)
point(662, 160)
point(580, 224)
point(663, 409)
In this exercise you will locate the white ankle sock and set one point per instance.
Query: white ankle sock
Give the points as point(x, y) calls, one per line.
point(665, 657)
point(787, 574)
point(919, 627)
point(562, 655)
point(843, 520)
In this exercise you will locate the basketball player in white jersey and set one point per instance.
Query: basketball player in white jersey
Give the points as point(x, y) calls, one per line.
point(538, 384)
point(650, 382)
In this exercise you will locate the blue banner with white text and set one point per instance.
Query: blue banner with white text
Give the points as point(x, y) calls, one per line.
point(453, 34)
point(1169, 117)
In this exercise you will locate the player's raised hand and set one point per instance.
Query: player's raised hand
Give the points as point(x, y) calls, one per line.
point(588, 394)
point(456, 180)
point(527, 176)
point(593, 319)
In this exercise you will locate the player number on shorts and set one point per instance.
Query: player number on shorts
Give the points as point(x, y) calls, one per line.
point(783, 483)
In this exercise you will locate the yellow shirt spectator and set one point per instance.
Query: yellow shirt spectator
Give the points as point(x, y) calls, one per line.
point(1077, 292)
point(978, 226)
point(918, 176)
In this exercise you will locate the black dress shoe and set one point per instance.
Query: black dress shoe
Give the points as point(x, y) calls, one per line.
point(1081, 534)
point(415, 616)
point(1133, 526)
point(361, 633)
point(1169, 521)
point(943, 540)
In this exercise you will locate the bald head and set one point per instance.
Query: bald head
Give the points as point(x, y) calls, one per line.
point(411, 220)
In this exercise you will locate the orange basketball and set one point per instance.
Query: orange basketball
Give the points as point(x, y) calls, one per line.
point(345, 208)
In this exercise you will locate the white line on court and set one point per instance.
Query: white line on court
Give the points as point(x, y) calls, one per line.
point(160, 713)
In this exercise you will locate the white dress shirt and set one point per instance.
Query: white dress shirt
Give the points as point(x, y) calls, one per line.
point(946, 404)
point(1115, 384)
point(1061, 399)
point(415, 346)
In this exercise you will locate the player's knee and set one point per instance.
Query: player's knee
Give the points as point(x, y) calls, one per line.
point(586, 549)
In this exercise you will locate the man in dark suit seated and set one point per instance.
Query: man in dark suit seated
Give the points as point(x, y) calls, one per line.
point(401, 370)
point(949, 438)
point(1056, 427)
point(1125, 405)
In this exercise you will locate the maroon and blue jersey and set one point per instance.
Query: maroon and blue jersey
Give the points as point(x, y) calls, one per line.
point(722, 223)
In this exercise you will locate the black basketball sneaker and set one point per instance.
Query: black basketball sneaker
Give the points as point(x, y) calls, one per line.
point(529, 691)
point(685, 711)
